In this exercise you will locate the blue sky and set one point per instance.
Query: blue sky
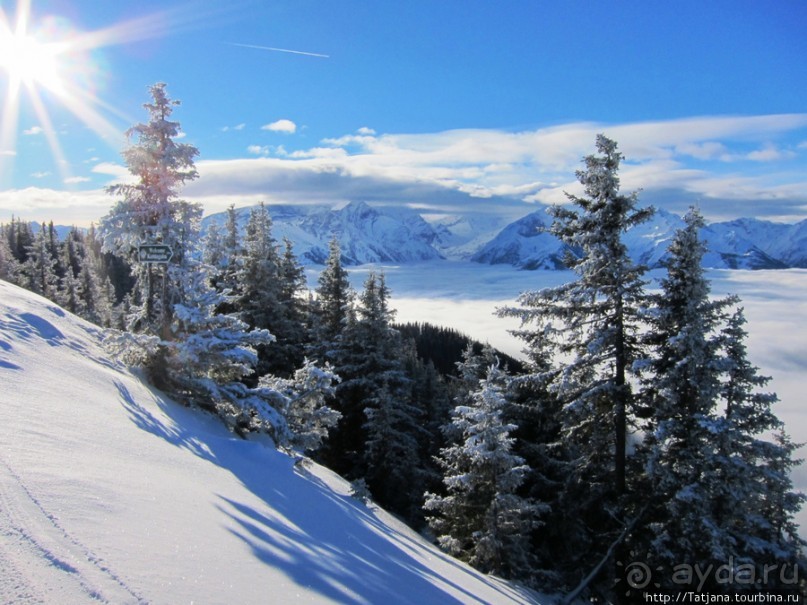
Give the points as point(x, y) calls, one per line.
point(440, 105)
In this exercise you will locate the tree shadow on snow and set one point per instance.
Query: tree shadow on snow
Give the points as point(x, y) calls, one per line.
point(320, 539)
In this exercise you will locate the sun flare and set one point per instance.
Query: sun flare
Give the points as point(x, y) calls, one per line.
point(46, 62)
point(27, 60)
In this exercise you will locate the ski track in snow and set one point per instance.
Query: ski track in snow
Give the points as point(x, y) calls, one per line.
point(41, 563)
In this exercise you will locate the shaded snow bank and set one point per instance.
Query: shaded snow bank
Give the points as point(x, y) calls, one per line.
point(109, 492)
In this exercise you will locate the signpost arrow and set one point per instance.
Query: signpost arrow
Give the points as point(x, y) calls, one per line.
point(154, 253)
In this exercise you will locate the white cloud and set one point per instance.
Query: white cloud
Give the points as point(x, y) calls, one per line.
point(236, 127)
point(75, 180)
point(115, 170)
point(34, 130)
point(78, 208)
point(258, 149)
point(284, 126)
point(769, 153)
point(711, 161)
point(40, 175)
point(7, 152)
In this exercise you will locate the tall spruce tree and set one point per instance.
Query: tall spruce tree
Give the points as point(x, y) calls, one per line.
point(374, 373)
point(151, 212)
point(591, 326)
point(684, 470)
point(258, 283)
point(39, 269)
point(756, 502)
point(332, 308)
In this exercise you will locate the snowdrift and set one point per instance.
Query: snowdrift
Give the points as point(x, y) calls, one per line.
point(112, 493)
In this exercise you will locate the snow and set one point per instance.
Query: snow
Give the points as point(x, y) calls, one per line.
point(112, 493)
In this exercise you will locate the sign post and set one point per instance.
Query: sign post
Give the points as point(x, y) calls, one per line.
point(154, 254)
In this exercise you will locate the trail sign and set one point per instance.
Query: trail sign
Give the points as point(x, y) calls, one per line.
point(154, 253)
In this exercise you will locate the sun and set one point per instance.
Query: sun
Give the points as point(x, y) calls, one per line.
point(29, 61)
point(45, 62)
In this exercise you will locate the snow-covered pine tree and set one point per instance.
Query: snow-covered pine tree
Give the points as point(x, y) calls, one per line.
point(332, 307)
point(481, 518)
point(151, 212)
point(756, 502)
point(293, 298)
point(232, 253)
point(9, 266)
point(213, 251)
point(306, 410)
point(536, 411)
point(197, 354)
point(684, 470)
point(39, 270)
point(591, 326)
point(374, 375)
point(258, 283)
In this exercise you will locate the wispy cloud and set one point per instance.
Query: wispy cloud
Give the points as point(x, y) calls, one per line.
point(40, 175)
point(285, 126)
point(34, 130)
point(75, 180)
point(281, 50)
point(236, 127)
point(258, 149)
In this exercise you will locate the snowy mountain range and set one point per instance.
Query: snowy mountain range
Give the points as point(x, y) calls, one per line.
point(370, 234)
point(110, 492)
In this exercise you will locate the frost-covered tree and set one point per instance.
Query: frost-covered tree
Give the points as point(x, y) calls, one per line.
point(593, 321)
point(307, 413)
point(481, 518)
point(213, 251)
point(151, 212)
point(377, 437)
point(39, 270)
point(9, 266)
point(258, 282)
point(591, 327)
point(755, 500)
point(189, 348)
point(684, 470)
point(290, 328)
point(332, 307)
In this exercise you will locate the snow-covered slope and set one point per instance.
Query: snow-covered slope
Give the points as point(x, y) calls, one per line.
point(111, 493)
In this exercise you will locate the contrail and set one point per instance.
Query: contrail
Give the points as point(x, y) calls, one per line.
point(280, 50)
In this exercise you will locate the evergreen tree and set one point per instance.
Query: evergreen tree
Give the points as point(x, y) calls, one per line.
point(591, 326)
point(9, 266)
point(482, 519)
point(213, 251)
point(332, 308)
point(39, 269)
point(291, 327)
point(683, 467)
point(151, 212)
point(755, 500)
point(537, 412)
point(258, 286)
point(307, 413)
